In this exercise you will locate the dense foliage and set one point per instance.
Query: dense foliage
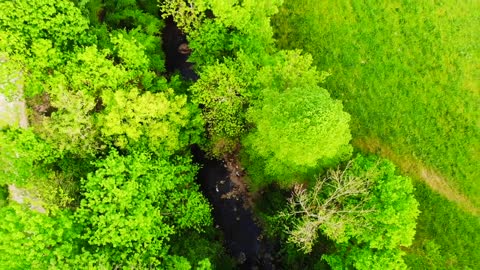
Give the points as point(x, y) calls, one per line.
point(35, 240)
point(228, 48)
point(106, 147)
point(142, 202)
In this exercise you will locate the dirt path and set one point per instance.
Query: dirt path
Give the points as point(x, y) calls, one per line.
point(13, 112)
point(419, 171)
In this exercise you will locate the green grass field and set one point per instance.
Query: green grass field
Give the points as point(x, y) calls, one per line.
point(446, 237)
point(409, 74)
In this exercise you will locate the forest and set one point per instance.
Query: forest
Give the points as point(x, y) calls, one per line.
point(239, 134)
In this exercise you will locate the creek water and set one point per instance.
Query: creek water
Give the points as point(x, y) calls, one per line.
point(242, 235)
point(175, 60)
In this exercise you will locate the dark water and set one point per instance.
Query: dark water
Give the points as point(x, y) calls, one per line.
point(175, 61)
point(243, 237)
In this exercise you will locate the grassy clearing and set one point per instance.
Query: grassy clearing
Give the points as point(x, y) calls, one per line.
point(407, 71)
point(409, 74)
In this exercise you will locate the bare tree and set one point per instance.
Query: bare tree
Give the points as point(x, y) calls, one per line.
point(325, 207)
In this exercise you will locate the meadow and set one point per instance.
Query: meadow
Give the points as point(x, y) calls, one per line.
point(408, 72)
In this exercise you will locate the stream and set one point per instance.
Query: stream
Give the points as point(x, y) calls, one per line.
point(242, 235)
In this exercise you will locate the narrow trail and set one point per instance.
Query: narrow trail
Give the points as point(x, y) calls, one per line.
point(13, 112)
point(421, 172)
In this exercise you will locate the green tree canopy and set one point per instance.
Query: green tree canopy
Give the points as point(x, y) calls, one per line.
point(367, 209)
point(165, 119)
point(133, 204)
point(22, 155)
point(366, 258)
point(297, 125)
point(221, 31)
point(224, 91)
point(103, 120)
point(32, 240)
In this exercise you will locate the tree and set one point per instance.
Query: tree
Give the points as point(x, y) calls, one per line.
point(228, 49)
point(23, 156)
point(66, 73)
point(366, 208)
point(364, 258)
point(323, 208)
point(236, 27)
point(188, 14)
point(297, 126)
point(32, 240)
point(133, 204)
point(249, 17)
point(224, 93)
point(27, 22)
point(166, 120)
point(41, 35)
